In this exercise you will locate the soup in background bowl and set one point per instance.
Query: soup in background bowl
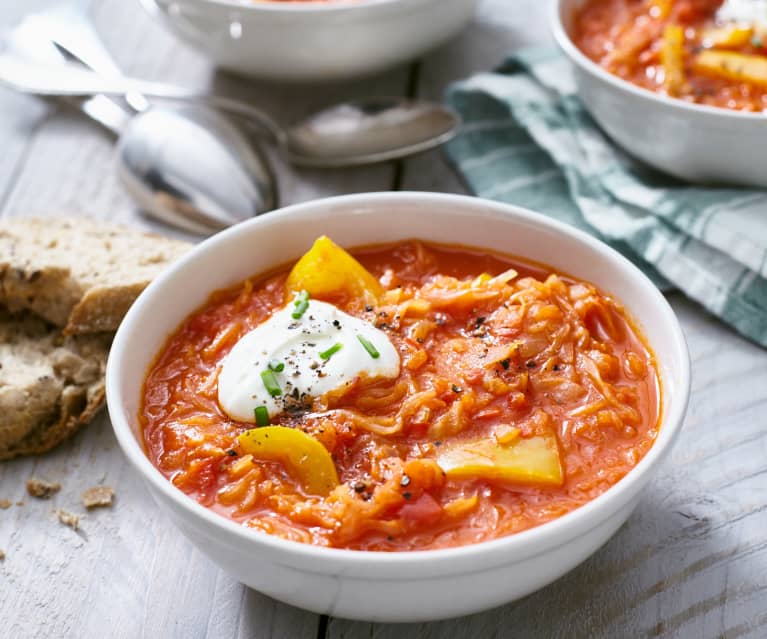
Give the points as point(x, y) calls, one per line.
point(299, 563)
point(691, 136)
point(704, 51)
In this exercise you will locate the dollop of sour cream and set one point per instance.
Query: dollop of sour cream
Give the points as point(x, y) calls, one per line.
point(753, 12)
point(321, 351)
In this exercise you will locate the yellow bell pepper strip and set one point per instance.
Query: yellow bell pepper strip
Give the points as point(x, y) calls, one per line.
point(727, 37)
point(672, 59)
point(303, 456)
point(326, 269)
point(527, 461)
point(733, 66)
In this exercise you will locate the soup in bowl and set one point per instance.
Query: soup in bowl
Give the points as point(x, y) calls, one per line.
point(470, 397)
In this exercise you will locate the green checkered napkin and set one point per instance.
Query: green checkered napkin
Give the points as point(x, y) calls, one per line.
point(527, 140)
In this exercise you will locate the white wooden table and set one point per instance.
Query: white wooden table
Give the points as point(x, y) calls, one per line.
point(691, 561)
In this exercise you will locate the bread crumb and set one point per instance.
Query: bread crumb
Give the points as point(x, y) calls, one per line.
point(42, 489)
point(98, 497)
point(5, 504)
point(2, 556)
point(19, 503)
point(68, 519)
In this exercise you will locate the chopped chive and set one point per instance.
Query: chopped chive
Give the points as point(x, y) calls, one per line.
point(331, 351)
point(270, 383)
point(301, 303)
point(300, 309)
point(372, 350)
point(276, 366)
point(262, 416)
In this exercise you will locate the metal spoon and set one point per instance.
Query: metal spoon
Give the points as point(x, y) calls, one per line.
point(358, 132)
point(189, 167)
point(192, 168)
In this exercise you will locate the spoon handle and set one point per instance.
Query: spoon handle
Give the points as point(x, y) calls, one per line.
point(30, 40)
point(74, 81)
point(70, 29)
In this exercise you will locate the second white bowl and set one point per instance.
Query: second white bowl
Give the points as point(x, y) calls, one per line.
point(304, 41)
point(690, 141)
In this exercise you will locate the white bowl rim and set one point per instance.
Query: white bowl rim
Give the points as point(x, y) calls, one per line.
point(296, 6)
point(565, 43)
point(548, 535)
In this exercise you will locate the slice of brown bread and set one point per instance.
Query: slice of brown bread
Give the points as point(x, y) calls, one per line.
point(78, 273)
point(50, 384)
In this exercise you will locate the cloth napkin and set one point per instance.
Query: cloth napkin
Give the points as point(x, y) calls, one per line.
point(528, 140)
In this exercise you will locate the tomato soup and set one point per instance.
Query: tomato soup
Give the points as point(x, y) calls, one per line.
point(512, 395)
point(704, 51)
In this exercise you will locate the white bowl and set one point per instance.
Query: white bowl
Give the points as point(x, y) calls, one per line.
point(690, 141)
point(297, 41)
point(399, 586)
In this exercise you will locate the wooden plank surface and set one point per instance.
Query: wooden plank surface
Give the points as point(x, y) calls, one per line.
point(691, 561)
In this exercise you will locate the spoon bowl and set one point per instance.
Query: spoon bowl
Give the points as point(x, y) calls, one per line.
point(189, 167)
point(367, 131)
point(192, 168)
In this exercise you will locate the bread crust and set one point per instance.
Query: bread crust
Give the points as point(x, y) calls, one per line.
point(78, 273)
point(65, 285)
point(50, 384)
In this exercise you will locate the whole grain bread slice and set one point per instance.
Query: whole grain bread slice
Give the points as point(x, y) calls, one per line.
point(78, 273)
point(50, 383)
